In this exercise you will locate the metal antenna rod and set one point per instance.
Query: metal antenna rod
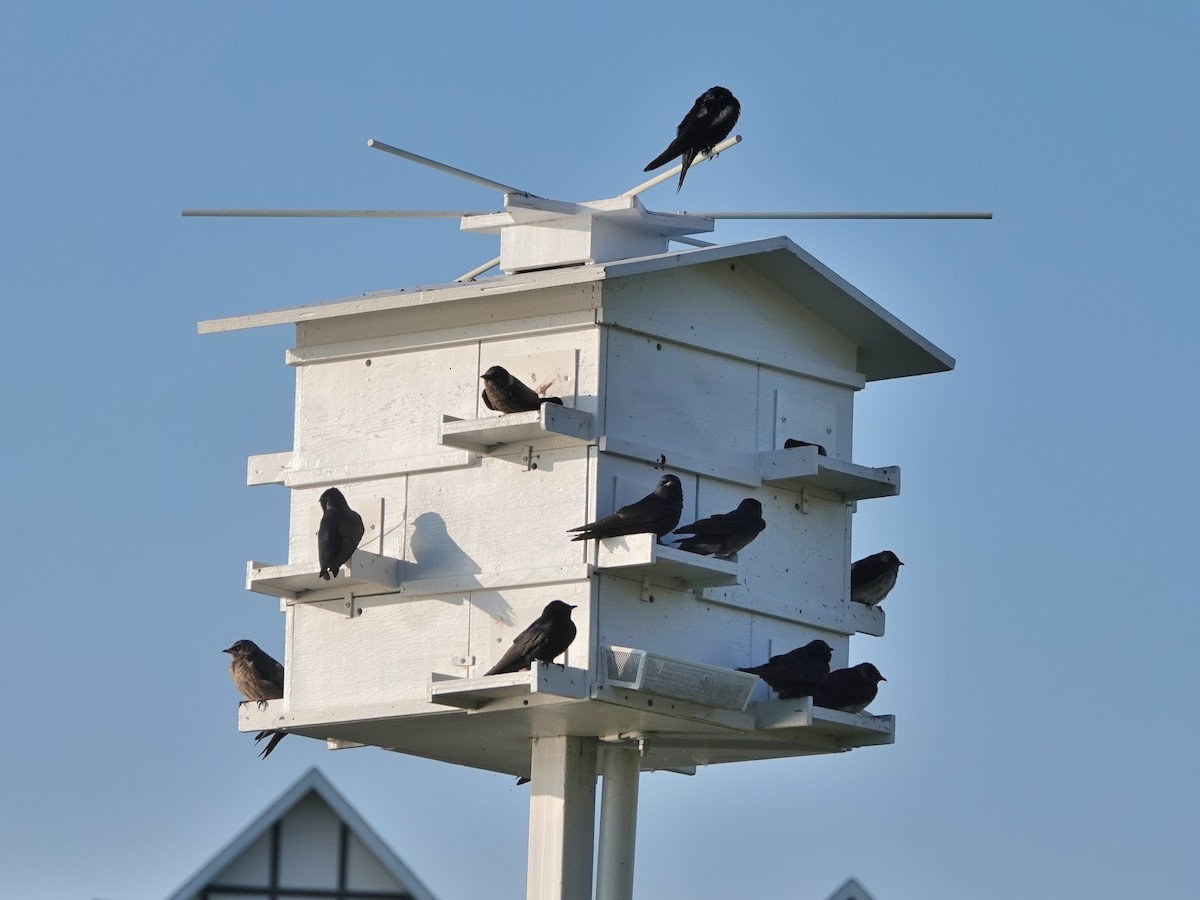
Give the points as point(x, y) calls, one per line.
point(449, 170)
point(678, 167)
point(839, 215)
point(335, 213)
point(478, 270)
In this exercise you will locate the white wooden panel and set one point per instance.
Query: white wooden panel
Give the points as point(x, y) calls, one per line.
point(458, 314)
point(684, 400)
point(497, 517)
point(814, 411)
point(728, 307)
point(675, 624)
point(364, 872)
point(386, 653)
point(499, 616)
point(308, 848)
point(799, 562)
point(356, 411)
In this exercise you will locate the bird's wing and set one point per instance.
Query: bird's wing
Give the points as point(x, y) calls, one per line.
point(487, 401)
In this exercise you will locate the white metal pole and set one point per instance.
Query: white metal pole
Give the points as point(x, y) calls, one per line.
point(618, 825)
point(562, 818)
point(442, 167)
point(866, 214)
point(678, 167)
point(333, 213)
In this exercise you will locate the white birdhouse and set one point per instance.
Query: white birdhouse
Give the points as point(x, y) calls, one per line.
point(698, 363)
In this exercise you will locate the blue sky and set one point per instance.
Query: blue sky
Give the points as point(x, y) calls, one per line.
point(1039, 648)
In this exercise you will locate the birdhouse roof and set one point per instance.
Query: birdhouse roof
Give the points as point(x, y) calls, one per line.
point(887, 347)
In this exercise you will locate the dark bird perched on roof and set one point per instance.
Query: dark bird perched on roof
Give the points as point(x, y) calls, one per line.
point(849, 690)
point(792, 443)
point(724, 534)
point(798, 672)
point(502, 392)
point(341, 530)
point(707, 123)
point(657, 513)
point(872, 577)
point(258, 677)
point(550, 634)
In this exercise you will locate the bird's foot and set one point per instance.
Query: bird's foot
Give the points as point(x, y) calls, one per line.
point(262, 704)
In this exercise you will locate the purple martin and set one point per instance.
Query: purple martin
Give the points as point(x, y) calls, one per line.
point(550, 634)
point(724, 534)
point(849, 690)
point(502, 392)
point(656, 513)
point(873, 577)
point(341, 530)
point(796, 673)
point(707, 123)
point(792, 443)
point(258, 677)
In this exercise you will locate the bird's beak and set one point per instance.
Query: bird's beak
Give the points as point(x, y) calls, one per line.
point(881, 678)
point(227, 650)
point(572, 605)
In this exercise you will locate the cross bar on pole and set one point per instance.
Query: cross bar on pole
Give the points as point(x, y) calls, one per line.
point(678, 167)
point(449, 170)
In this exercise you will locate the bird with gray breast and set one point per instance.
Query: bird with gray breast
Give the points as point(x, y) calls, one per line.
point(546, 639)
point(873, 577)
point(656, 513)
point(505, 393)
point(339, 535)
point(798, 672)
point(723, 534)
point(706, 124)
point(259, 678)
point(849, 690)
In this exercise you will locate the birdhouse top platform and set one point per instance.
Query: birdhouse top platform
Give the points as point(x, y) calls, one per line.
point(887, 348)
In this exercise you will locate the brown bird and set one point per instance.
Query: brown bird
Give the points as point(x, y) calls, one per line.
point(547, 638)
point(656, 513)
point(798, 672)
point(341, 530)
point(707, 123)
point(503, 392)
point(258, 677)
point(849, 690)
point(873, 577)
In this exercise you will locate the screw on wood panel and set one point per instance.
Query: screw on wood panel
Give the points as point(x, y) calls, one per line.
point(647, 597)
point(530, 459)
point(662, 461)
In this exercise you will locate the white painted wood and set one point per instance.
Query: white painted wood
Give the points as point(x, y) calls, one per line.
point(618, 825)
point(474, 693)
point(802, 467)
point(639, 556)
point(806, 418)
point(545, 428)
point(363, 411)
point(663, 395)
point(268, 468)
point(562, 812)
point(671, 457)
point(748, 317)
point(365, 573)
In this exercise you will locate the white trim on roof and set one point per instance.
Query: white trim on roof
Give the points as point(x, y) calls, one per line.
point(311, 781)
